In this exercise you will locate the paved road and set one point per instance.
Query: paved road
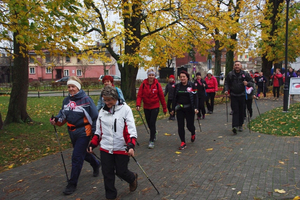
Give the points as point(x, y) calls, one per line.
point(218, 165)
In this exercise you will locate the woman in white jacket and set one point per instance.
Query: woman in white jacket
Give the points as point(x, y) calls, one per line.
point(116, 133)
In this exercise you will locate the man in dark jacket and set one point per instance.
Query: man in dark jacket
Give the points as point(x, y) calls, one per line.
point(236, 81)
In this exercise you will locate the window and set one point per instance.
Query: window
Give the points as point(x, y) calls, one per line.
point(31, 60)
point(92, 60)
point(68, 59)
point(66, 72)
point(78, 60)
point(31, 70)
point(79, 72)
point(48, 59)
point(48, 70)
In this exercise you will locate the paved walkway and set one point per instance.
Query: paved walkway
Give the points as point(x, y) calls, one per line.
point(218, 165)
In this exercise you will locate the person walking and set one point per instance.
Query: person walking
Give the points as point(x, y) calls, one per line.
point(185, 106)
point(151, 93)
point(261, 82)
point(169, 90)
point(116, 133)
point(236, 81)
point(212, 88)
point(201, 86)
point(277, 82)
point(80, 114)
point(108, 80)
point(251, 91)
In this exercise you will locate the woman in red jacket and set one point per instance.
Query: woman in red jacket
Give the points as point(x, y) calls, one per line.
point(277, 82)
point(212, 88)
point(151, 93)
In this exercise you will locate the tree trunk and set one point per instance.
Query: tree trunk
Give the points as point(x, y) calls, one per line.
point(266, 67)
point(128, 77)
point(1, 122)
point(218, 54)
point(18, 98)
point(229, 61)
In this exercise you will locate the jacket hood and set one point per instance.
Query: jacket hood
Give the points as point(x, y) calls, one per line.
point(78, 95)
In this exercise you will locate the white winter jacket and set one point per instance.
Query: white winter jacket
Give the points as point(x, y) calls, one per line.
point(116, 128)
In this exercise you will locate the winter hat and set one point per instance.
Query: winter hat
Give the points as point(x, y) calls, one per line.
point(172, 76)
point(108, 78)
point(209, 72)
point(74, 82)
point(198, 74)
point(184, 72)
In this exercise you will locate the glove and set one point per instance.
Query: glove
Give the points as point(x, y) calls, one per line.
point(129, 146)
point(94, 142)
point(55, 119)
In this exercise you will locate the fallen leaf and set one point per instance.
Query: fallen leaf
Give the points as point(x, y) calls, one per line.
point(282, 122)
point(220, 137)
point(239, 192)
point(20, 181)
point(296, 198)
point(281, 162)
point(209, 149)
point(295, 117)
point(168, 134)
point(178, 152)
point(280, 191)
point(11, 166)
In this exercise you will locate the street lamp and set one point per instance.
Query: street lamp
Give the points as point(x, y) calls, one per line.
point(286, 86)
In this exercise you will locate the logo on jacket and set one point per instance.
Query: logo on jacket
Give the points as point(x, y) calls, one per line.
point(72, 105)
point(189, 89)
point(173, 86)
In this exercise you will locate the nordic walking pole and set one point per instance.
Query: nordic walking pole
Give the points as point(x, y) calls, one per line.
point(199, 125)
point(226, 108)
point(145, 173)
point(143, 121)
point(249, 120)
point(257, 107)
point(62, 156)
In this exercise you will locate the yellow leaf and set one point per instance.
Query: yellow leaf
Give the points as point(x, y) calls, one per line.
point(168, 134)
point(282, 122)
point(20, 181)
point(209, 149)
point(281, 162)
point(239, 192)
point(12, 138)
point(295, 117)
point(11, 166)
point(178, 152)
point(296, 198)
point(279, 191)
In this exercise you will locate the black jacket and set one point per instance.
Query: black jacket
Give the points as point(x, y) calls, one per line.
point(234, 82)
point(170, 89)
point(200, 88)
point(192, 94)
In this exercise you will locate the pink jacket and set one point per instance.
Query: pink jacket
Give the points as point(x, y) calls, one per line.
point(212, 84)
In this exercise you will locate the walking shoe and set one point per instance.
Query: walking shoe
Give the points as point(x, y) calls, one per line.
point(203, 117)
point(151, 145)
point(69, 189)
point(155, 136)
point(96, 170)
point(173, 118)
point(240, 128)
point(182, 146)
point(234, 130)
point(193, 137)
point(134, 184)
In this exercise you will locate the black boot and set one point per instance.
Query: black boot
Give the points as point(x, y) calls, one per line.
point(69, 189)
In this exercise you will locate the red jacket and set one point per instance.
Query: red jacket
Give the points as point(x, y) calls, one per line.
point(151, 96)
point(276, 78)
point(212, 84)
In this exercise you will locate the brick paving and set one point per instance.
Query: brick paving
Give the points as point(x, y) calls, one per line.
point(218, 165)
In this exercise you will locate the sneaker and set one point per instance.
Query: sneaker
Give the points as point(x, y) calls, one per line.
point(193, 137)
point(69, 189)
point(203, 117)
point(173, 118)
point(151, 145)
point(96, 170)
point(234, 130)
point(134, 184)
point(155, 136)
point(182, 146)
point(240, 128)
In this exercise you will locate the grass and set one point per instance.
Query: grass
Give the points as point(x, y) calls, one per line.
point(275, 122)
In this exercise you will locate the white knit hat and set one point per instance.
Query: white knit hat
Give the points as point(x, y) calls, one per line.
point(209, 72)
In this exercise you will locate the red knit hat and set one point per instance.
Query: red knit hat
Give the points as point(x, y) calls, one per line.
point(172, 76)
point(108, 78)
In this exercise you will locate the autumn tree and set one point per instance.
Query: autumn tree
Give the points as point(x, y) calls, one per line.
point(33, 25)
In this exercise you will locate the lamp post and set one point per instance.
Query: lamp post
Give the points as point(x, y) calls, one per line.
point(286, 86)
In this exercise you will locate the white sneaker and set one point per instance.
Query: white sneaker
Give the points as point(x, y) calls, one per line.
point(151, 145)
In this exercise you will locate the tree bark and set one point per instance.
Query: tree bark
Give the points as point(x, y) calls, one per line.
point(218, 54)
point(18, 99)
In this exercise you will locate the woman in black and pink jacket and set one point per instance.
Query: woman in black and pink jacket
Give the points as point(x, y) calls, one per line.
point(212, 88)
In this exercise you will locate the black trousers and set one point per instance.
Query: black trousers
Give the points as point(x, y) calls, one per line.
point(201, 106)
point(211, 98)
point(276, 91)
point(169, 105)
point(110, 163)
point(248, 106)
point(151, 116)
point(261, 89)
point(187, 114)
point(238, 108)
